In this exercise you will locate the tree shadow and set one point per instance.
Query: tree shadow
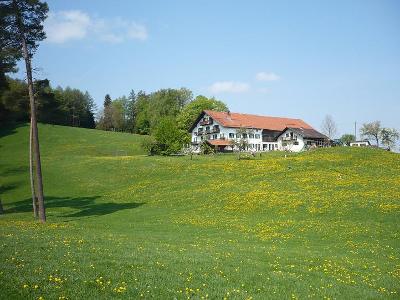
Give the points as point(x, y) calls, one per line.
point(10, 128)
point(87, 206)
point(13, 171)
point(7, 187)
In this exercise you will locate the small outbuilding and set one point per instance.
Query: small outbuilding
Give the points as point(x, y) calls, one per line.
point(365, 143)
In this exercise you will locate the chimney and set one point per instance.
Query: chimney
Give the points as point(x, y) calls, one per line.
point(229, 115)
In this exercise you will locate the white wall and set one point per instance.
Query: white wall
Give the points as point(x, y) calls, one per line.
point(254, 143)
point(225, 131)
point(290, 144)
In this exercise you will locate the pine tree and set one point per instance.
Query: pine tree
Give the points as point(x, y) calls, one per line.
point(24, 30)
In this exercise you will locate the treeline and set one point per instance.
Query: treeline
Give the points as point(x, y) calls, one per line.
point(165, 115)
point(70, 107)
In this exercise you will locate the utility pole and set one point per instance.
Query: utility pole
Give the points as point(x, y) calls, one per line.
point(355, 130)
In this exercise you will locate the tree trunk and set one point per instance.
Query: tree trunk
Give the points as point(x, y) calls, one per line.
point(34, 200)
point(1, 208)
point(35, 135)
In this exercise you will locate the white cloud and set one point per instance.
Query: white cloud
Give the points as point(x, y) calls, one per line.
point(70, 25)
point(67, 25)
point(264, 76)
point(229, 87)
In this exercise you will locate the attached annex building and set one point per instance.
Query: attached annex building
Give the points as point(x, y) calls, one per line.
point(263, 133)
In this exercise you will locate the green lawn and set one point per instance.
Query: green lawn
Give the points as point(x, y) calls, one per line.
point(321, 224)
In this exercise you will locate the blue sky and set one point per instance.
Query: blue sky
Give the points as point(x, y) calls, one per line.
point(302, 59)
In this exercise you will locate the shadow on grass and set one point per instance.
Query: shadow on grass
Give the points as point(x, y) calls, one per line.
point(13, 171)
point(87, 206)
point(10, 128)
point(7, 187)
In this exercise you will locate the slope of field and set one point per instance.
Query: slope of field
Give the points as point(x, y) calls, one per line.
point(311, 225)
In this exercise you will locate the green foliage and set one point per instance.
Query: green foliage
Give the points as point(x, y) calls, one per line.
point(389, 137)
point(192, 110)
point(23, 18)
point(59, 106)
point(166, 103)
point(149, 144)
point(346, 139)
point(142, 120)
point(130, 112)
point(107, 100)
point(14, 101)
point(168, 137)
point(205, 148)
point(170, 225)
point(142, 112)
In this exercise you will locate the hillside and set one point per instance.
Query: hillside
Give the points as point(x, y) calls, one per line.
point(121, 224)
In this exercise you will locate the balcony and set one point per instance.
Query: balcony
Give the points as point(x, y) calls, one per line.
point(288, 138)
point(268, 139)
point(206, 122)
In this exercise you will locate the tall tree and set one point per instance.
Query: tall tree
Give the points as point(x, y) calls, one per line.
point(24, 30)
point(9, 47)
point(371, 130)
point(142, 108)
point(131, 112)
point(329, 127)
point(389, 137)
point(118, 113)
point(107, 100)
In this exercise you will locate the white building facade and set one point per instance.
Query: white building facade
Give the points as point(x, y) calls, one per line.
point(221, 129)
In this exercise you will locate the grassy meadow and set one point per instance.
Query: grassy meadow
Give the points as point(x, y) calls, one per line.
point(320, 224)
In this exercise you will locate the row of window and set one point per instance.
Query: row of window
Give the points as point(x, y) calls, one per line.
point(215, 127)
point(231, 136)
point(245, 135)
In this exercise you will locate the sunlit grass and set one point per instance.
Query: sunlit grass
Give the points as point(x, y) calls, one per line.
point(311, 225)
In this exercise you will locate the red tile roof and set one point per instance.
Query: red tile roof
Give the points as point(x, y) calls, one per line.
point(255, 121)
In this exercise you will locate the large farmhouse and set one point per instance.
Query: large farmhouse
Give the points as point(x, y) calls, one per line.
point(261, 133)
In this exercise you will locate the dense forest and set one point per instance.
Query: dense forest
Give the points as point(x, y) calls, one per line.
point(70, 107)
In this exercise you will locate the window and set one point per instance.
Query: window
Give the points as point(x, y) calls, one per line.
point(195, 139)
point(208, 129)
point(238, 135)
point(215, 136)
point(287, 134)
point(257, 136)
point(231, 135)
point(251, 135)
point(245, 135)
point(296, 143)
point(222, 136)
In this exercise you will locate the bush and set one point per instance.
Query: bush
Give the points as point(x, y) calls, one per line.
point(149, 144)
